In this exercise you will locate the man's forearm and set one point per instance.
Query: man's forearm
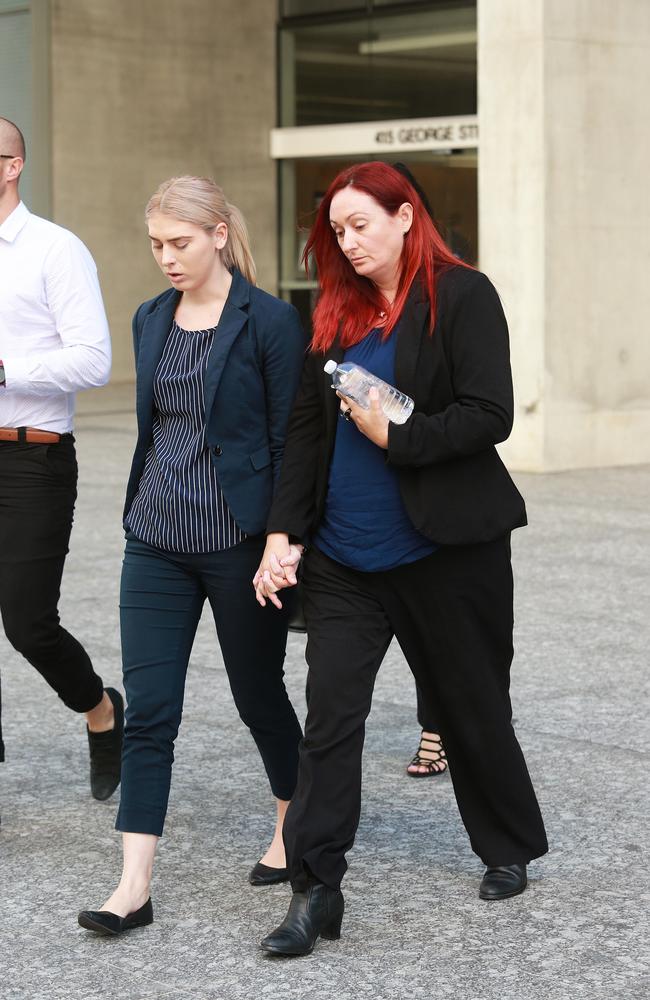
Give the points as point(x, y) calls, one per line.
point(68, 369)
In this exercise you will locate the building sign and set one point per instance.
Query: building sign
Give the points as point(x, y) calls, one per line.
point(375, 137)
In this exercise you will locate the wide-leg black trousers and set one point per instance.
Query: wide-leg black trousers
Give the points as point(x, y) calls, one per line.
point(426, 713)
point(452, 615)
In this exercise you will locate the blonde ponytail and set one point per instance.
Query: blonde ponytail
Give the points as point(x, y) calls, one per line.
point(200, 201)
point(237, 251)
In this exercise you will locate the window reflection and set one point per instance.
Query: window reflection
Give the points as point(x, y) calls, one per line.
point(410, 65)
point(364, 64)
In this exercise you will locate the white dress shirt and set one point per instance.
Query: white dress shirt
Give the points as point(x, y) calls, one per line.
point(54, 336)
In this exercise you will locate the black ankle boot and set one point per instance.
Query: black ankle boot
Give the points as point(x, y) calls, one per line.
point(316, 912)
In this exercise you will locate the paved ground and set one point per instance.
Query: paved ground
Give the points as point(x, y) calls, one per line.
point(414, 927)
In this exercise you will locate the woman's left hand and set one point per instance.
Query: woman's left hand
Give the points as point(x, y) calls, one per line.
point(277, 569)
point(373, 422)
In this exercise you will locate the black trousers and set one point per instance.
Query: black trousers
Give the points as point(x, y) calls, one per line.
point(452, 615)
point(426, 713)
point(161, 599)
point(38, 489)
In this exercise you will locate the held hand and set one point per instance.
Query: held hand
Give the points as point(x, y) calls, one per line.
point(373, 422)
point(277, 569)
point(290, 563)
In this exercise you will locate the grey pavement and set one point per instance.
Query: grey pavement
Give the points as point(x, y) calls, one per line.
point(414, 927)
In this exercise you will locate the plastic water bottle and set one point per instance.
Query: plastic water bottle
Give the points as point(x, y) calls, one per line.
point(355, 382)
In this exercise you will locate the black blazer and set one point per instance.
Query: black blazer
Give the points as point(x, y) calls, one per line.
point(250, 383)
point(455, 487)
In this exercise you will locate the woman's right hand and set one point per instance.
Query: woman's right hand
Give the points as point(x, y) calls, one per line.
point(277, 569)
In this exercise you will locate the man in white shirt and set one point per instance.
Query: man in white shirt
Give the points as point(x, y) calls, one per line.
point(54, 340)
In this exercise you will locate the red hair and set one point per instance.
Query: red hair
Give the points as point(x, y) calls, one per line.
point(349, 304)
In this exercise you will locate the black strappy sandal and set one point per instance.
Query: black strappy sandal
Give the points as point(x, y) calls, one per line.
point(434, 765)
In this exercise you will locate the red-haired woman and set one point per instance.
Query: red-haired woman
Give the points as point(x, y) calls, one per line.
point(408, 528)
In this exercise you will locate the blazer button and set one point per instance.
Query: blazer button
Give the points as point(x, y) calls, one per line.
point(218, 450)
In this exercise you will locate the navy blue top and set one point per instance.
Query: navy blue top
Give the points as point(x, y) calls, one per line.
point(365, 525)
point(179, 506)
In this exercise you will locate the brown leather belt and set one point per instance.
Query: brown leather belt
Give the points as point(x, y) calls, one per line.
point(32, 435)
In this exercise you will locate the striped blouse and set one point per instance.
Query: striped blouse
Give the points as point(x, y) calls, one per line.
point(179, 506)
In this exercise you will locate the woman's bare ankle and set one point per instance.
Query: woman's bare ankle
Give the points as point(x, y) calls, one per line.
point(127, 898)
point(275, 856)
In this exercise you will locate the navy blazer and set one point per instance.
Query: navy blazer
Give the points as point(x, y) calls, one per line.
point(250, 383)
point(455, 488)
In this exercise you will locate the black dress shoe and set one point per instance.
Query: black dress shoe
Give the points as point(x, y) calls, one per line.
point(104, 922)
point(316, 912)
point(503, 882)
point(265, 875)
point(106, 752)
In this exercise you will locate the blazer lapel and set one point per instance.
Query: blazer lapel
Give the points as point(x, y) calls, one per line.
point(233, 318)
point(332, 401)
point(155, 331)
point(410, 333)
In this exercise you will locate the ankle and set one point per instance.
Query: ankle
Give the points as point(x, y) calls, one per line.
point(101, 718)
point(126, 899)
point(135, 885)
point(275, 856)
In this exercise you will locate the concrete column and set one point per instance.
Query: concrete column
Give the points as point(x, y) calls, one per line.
point(563, 222)
point(144, 91)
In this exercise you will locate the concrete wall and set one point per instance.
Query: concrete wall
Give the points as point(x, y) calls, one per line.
point(140, 92)
point(564, 209)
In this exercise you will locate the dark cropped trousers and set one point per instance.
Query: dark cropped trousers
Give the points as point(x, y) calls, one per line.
point(38, 489)
point(162, 595)
point(452, 615)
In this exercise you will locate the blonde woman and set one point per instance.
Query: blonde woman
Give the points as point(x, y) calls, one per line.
point(218, 364)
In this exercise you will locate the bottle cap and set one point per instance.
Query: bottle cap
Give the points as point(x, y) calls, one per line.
point(329, 367)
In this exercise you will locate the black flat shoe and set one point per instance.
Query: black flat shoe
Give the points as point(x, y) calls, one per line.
point(318, 912)
point(265, 875)
point(104, 922)
point(106, 752)
point(503, 882)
